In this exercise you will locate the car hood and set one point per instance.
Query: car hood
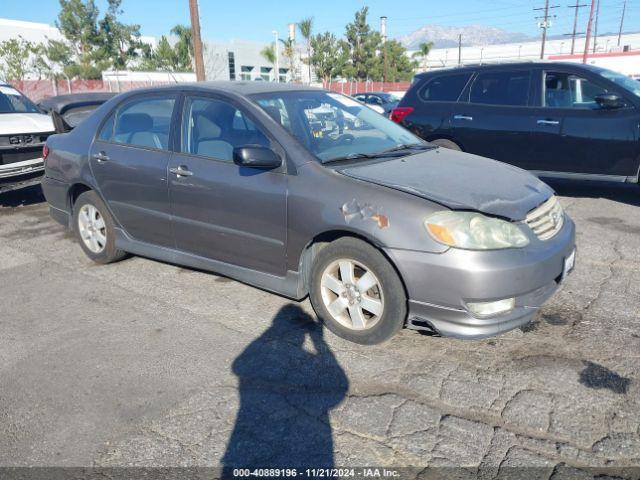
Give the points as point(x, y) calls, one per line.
point(459, 181)
point(14, 123)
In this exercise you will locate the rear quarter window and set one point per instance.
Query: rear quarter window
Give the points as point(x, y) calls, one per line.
point(444, 88)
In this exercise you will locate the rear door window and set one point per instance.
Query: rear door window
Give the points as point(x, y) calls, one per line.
point(501, 88)
point(142, 122)
point(446, 88)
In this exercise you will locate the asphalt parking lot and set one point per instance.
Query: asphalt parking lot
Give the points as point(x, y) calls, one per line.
point(148, 364)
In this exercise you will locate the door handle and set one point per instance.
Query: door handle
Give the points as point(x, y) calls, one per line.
point(101, 157)
point(181, 171)
point(548, 122)
point(463, 117)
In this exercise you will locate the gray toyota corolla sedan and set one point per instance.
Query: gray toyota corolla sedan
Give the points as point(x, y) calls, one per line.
point(305, 192)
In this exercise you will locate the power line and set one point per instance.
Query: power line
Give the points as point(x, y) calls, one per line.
point(545, 24)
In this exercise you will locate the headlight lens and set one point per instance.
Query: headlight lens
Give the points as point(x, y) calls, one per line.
point(474, 231)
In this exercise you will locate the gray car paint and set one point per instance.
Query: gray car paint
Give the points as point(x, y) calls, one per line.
point(444, 176)
point(268, 239)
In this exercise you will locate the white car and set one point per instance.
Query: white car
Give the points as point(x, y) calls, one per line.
point(23, 132)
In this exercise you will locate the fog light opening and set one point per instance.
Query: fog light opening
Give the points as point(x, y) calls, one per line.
point(490, 309)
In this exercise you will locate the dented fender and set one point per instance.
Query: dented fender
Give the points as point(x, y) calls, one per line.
point(386, 217)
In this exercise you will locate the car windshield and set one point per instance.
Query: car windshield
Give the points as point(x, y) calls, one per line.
point(12, 101)
point(333, 126)
point(625, 82)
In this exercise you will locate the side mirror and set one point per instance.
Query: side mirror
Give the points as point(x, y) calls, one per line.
point(256, 156)
point(609, 101)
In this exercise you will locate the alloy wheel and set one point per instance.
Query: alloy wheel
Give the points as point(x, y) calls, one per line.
point(352, 294)
point(92, 228)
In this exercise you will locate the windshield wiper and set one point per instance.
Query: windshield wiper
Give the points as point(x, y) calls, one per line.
point(384, 153)
point(352, 156)
point(409, 146)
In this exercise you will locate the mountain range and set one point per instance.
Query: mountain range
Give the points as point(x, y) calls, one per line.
point(472, 35)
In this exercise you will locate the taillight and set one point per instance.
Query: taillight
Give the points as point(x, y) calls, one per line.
point(400, 113)
point(45, 152)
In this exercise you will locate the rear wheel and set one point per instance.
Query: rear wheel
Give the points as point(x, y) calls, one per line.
point(357, 293)
point(446, 143)
point(95, 229)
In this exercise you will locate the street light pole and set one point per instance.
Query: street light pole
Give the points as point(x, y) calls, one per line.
point(197, 41)
point(275, 47)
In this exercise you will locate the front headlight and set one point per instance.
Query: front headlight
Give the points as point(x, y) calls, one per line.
point(474, 231)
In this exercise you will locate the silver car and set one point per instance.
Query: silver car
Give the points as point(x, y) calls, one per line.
point(380, 229)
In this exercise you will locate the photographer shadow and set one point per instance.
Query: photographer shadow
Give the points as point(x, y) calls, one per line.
point(286, 394)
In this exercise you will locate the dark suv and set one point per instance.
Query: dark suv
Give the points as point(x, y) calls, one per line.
point(556, 119)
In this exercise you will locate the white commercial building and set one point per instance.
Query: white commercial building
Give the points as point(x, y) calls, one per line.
point(555, 49)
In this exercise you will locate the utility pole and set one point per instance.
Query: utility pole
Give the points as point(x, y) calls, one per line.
point(383, 33)
point(588, 36)
point(595, 34)
point(577, 8)
point(545, 24)
point(624, 8)
point(197, 41)
point(460, 49)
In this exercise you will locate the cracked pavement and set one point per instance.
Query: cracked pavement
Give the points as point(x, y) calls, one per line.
point(142, 363)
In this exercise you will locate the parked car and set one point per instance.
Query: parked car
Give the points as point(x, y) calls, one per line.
point(23, 132)
point(381, 102)
point(67, 111)
point(556, 119)
point(379, 228)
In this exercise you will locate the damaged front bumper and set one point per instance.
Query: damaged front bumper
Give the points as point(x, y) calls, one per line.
point(441, 285)
point(21, 174)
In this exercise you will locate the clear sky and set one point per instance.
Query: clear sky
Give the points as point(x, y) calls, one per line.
point(256, 19)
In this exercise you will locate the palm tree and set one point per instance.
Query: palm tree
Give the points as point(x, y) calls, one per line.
point(289, 51)
point(306, 30)
point(184, 47)
point(269, 54)
point(423, 52)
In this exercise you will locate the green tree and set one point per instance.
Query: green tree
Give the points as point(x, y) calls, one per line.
point(78, 23)
point(16, 56)
point(327, 57)
point(183, 48)
point(162, 57)
point(423, 52)
point(306, 30)
point(269, 54)
point(362, 44)
point(118, 42)
point(399, 66)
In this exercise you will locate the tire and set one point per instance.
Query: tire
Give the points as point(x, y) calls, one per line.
point(351, 319)
point(446, 143)
point(92, 220)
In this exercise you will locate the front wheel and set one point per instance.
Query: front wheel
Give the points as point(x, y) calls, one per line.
point(95, 229)
point(357, 293)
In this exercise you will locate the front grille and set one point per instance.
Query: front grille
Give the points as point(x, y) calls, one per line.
point(547, 219)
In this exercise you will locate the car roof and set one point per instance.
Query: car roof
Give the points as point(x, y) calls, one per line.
point(239, 88)
point(506, 65)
